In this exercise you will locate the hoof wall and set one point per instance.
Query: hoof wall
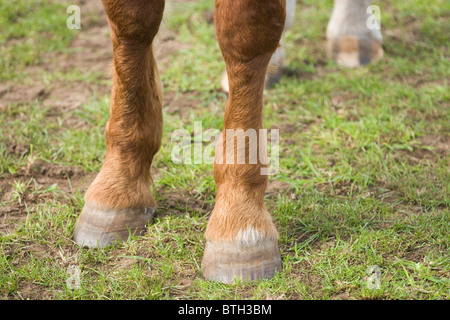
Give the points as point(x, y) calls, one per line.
point(100, 227)
point(226, 261)
point(351, 52)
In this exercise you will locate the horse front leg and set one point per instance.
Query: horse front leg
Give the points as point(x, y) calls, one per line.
point(277, 61)
point(119, 201)
point(241, 239)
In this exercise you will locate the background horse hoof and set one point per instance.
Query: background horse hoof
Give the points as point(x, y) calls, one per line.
point(350, 51)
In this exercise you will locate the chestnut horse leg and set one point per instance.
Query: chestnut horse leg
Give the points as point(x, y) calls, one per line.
point(241, 239)
point(119, 201)
point(354, 37)
point(276, 63)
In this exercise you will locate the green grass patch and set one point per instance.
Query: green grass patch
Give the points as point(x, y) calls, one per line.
point(364, 164)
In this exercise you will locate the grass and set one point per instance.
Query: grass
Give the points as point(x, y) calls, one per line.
point(28, 30)
point(364, 164)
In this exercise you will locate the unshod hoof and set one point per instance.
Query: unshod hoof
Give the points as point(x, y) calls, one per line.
point(352, 52)
point(226, 261)
point(99, 227)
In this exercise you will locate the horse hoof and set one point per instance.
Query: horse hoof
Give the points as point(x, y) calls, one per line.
point(100, 227)
point(226, 261)
point(350, 52)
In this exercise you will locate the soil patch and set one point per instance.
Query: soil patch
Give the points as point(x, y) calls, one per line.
point(35, 184)
point(430, 147)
